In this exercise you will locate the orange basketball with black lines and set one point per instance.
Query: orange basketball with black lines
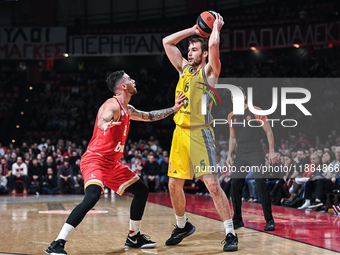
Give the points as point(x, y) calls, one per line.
point(205, 22)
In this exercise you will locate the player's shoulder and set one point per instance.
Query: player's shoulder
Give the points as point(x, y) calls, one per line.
point(112, 103)
point(186, 67)
point(112, 100)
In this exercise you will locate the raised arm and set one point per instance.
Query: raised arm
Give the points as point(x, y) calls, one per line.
point(173, 53)
point(157, 114)
point(213, 68)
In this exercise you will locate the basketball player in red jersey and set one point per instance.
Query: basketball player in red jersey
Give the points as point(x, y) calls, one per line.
point(100, 166)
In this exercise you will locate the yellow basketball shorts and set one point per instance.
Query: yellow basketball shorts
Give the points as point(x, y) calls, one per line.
point(192, 153)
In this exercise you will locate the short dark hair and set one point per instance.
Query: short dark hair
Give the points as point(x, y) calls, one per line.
point(202, 40)
point(113, 79)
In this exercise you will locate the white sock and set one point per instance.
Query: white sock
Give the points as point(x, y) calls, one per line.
point(65, 231)
point(307, 202)
point(181, 220)
point(229, 226)
point(134, 227)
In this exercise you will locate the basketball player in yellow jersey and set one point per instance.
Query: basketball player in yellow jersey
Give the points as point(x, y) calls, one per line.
point(193, 130)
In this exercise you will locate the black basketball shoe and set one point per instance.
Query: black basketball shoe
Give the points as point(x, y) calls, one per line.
point(178, 234)
point(139, 241)
point(56, 248)
point(230, 242)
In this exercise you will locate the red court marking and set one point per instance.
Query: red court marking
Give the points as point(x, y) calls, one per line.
point(315, 228)
point(69, 211)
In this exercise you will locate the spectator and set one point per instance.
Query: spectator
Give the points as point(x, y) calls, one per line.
point(18, 152)
point(137, 166)
point(24, 147)
point(27, 158)
point(278, 192)
point(74, 157)
point(78, 177)
point(50, 182)
point(323, 185)
point(12, 159)
point(19, 171)
point(34, 176)
point(319, 185)
point(65, 179)
point(164, 154)
point(301, 163)
point(35, 149)
point(49, 163)
point(334, 166)
point(312, 173)
point(151, 172)
point(40, 159)
point(312, 182)
point(42, 144)
point(6, 172)
point(164, 173)
point(3, 184)
point(2, 150)
point(50, 145)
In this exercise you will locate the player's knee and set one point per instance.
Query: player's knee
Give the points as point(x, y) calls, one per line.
point(212, 185)
point(143, 190)
point(92, 195)
point(175, 185)
point(139, 189)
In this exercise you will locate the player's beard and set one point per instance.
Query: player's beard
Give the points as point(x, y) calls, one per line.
point(132, 91)
point(197, 62)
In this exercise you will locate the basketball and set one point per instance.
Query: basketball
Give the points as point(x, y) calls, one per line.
point(205, 22)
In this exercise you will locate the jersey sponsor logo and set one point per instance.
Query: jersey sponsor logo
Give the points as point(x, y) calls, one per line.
point(92, 176)
point(184, 112)
point(185, 102)
point(119, 147)
point(175, 172)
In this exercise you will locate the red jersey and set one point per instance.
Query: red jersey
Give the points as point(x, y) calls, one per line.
point(111, 145)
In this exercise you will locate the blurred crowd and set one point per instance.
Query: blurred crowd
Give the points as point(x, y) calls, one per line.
point(53, 168)
point(55, 118)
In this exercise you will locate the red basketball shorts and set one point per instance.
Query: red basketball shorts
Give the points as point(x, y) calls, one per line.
point(98, 170)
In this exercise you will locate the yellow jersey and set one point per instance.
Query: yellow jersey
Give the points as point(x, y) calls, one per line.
point(192, 85)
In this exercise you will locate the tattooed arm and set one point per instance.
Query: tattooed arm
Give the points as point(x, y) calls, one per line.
point(157, 114)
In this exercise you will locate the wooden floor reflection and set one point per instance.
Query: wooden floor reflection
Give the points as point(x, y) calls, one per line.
point(26, 231)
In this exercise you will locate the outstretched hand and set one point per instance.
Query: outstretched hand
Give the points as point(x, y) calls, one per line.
point(179, 101)
point(109, 124)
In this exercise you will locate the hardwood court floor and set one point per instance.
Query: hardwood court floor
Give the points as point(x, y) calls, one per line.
point(26, 231)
